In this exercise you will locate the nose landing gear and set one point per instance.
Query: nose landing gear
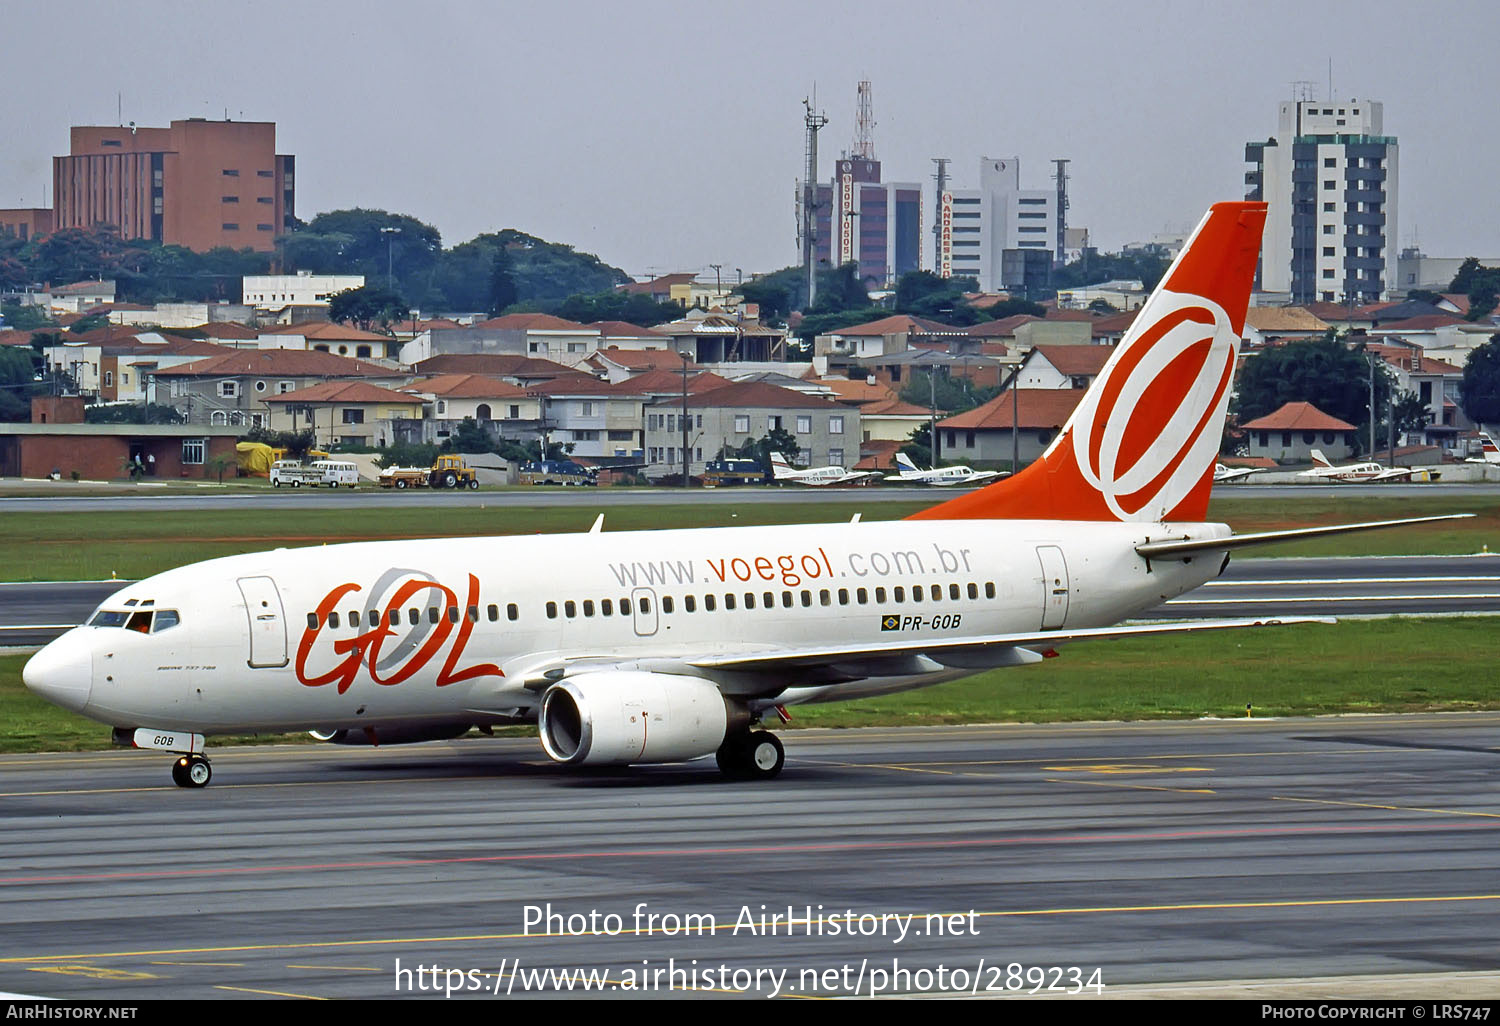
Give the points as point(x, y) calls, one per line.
point(192, 771)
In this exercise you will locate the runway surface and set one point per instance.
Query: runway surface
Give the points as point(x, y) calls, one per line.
point(1363, 849)
point(605, 498)
point(32, 614)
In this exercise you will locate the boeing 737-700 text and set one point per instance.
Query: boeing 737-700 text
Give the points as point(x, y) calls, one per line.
point(666, 646)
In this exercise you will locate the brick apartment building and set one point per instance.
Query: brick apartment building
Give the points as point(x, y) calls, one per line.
point(198, 184)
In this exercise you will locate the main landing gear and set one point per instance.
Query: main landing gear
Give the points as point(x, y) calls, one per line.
point(751, 755)
point(192, 771)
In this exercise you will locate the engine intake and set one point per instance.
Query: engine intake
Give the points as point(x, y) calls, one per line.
point(631, 716)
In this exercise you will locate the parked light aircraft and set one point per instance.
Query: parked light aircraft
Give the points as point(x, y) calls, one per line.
point(665, 646)
point(1353, 473)
point(1491, 452)
point(819, 476)
point(941, 476)
point(1223, 474)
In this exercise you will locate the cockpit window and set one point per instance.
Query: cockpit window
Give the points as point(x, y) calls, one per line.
point(109, 618)
point(140, 621)
point(165, 620)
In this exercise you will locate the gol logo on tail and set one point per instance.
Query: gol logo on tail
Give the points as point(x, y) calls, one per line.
point(1144, 433)
point(365, 649)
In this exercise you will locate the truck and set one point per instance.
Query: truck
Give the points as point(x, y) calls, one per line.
point(447, 471)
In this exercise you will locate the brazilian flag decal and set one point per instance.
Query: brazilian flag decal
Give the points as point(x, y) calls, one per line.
point(890, 622)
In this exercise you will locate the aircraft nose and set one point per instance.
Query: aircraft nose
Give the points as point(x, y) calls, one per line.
point(62, 673)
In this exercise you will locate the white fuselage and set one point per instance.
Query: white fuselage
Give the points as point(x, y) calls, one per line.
point(377, 634)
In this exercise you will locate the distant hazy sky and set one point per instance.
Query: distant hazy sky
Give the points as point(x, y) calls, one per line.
point(668, 135)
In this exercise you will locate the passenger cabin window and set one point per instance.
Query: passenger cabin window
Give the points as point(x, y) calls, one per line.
point(513, 612)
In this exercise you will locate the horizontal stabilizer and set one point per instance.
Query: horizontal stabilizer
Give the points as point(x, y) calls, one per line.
point(1190, 546)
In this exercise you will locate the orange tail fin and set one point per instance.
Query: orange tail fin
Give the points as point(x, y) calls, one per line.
point(1142, 443)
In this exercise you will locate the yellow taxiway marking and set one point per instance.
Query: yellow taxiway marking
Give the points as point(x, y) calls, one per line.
point(728, 925)
point(340, 968)
point(1392, 808)
point(272, 993)
point(1134, 787)
point(1125, 767)
point(1204, 756)
point(219, 965)
point(96, 972)
point(879, 765)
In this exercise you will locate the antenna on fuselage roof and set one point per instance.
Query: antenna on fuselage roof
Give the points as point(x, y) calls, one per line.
point(598, 524)
point(855, 519)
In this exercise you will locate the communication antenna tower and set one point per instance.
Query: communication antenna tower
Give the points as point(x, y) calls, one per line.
point(941, 177)
point(1062, 209)
point(814, 123)
point(864, 125)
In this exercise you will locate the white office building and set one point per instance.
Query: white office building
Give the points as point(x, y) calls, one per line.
point(999, 233)
point(278, 291)
point(1330, 179)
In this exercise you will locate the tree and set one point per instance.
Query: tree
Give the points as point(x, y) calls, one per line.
point(953, 394)
point(924, 294)
point(542, 272)
point(132, 413)
point(1479, 391)
point(367, 242)
point(919, 449)
point(502, 282)
point(776, 293)
point(819, 324)
point(1324, 372)
point(367, 306)
point(296, 443)
point(1095, 268)
point(1409, 412)
point(839, 288)
point(17, 383)
point(470, 437)
point(1011, 307)
point(616, 306)
point(776, 440)
point(1481, 284)
point(25, 318)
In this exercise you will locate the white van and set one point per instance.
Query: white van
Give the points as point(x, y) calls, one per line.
point(335, 472)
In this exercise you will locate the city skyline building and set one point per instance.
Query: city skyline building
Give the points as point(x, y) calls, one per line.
point(875, 224)
point(198, 184)
point(1329, 177)
point(1000, 234)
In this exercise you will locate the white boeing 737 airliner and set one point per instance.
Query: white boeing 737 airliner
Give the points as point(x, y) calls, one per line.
point(664, 646)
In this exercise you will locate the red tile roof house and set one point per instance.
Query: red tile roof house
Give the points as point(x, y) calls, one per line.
point(348, 412)
point(1290, 434)
point(230, 389)
point(982, 436)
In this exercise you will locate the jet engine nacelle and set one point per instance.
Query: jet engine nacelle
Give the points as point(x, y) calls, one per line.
point(625, 716)
point(404, 735)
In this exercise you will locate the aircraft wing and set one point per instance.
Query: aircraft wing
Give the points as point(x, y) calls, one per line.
point(795, 658)
point(1393, 474)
